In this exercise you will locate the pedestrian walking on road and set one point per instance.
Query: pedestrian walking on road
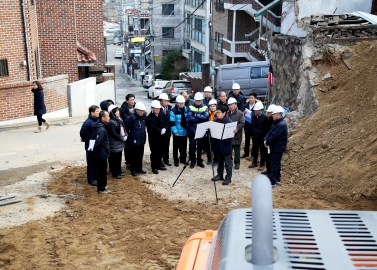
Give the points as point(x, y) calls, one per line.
point(117, 137)
point(86, 134)
point(156, 135)
point(39, 106)
point(135, 125)
point(276, 139)
point(101, 151)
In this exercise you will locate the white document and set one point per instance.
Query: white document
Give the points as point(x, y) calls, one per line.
point(201, 129)
point(229, 130)
point(248, 115)
point(91, 145)
point(218, 130)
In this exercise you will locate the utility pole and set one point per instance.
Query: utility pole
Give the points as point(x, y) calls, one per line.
point(152, 35)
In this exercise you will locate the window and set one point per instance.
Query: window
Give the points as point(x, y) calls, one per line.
point(198, 29)
point(186, 44)
point(188, 23)
point(4, 68)
point(219, 5)
point(218, 43)
point(168, 32)
point(196, 60)
point(167, 9)
point(258, 72)
point(196, 3)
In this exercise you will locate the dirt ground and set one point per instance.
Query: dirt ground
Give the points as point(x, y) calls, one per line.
point(330, 164)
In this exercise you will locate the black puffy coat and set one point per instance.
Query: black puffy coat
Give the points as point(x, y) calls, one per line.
point(240, 99)
point(115, 139)
point(223, 147)
point(39, 102)
point(101, 146)
point(277, 136)
point(86, 131)
point(135, 125)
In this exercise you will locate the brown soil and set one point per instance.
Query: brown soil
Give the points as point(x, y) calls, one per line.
point(330, 164)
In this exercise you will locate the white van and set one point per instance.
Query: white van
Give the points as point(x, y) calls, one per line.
point(251, 76)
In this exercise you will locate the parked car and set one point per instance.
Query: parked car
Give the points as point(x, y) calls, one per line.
point(118, 53)
point(110, 30)
point(251, 76)
point(174, 88)
point(156, 89)
point(147, 81)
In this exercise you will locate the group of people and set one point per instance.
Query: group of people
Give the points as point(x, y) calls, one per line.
point(109, 132)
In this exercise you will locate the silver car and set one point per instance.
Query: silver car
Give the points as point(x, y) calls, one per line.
point(175, 88)
point(156, 89)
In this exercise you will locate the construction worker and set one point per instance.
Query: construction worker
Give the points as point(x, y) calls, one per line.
point(207, 95)
point(197, 113)
point(178, 123)
point(276, 139)
point(236, 116)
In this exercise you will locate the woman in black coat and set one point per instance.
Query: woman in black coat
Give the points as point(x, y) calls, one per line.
point(39, 105)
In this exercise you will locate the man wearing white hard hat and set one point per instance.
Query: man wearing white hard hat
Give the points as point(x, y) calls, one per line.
point(259, 129)
point(197, 113)
point(276, 139)
point(237, 95)
point(156, 131)
point(165, 109)
point(207, 95)
point(236, 116)
point(135, 125)
point(178, 123)
point(269, 111)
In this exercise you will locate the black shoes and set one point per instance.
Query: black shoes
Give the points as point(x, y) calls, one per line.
point(122, 174)
point(227, 182)
point(167, 162)
point(176, 164)
point(217, 177)
point(209, 162)
point(106, 191)
point(265, 172)
point(92, 183)
point(142, 171)
point(118, 177)
point(237, 167)
point(155, 171)
point(133, 173)
point(201, 165)
point(244, 156)
point(162, 168)
point(192, 165)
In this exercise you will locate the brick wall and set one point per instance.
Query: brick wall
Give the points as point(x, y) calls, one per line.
point(12, 39)
point(18, 101)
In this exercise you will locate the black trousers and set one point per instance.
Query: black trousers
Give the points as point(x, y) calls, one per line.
point(165, 149)
point(195, 149)
point(115, 163)
point(40, 119)
point(247, 143)
point(156, 155)
point(258, 146)
point(224, 159)
point(136, 161)
point(101, 168)
point(179, 144)
point(126, 152)
point(268, 162)
point(275, 167)
point(90, 167)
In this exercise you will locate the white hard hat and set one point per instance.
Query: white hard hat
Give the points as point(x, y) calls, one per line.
point(236, 86)
point(212, 102)
point(140, 106)
point(180, 99)
point(207, 89)
point(163, 96)
point(278, 109)
point(258, 106)
point(111, 107)
point(198, 96)
point(156, 104)
point(232, 100)
point(271, 108)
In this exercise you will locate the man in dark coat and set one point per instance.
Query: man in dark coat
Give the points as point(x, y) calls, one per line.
point(127, 109)
point(248, 106)
point(207, 95)
point(135, 125)
point(156, 131)
point(269, 111)
point(223, 97)
point(86, 134)
point(101, 151)
point(165, 109)
point(223, 149)
point(260, 127)
point(236, 94)
point(276, 139)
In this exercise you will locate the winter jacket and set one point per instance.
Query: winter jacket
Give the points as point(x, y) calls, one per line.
point(115, 139)
point(277, 136)
point(260, 128)
point(189, 102)
point(39, 103)
point(223, 147)
point(196, 115)
point(240, 99)
point(166, 120)
point(135, 125)
point(101, 146)
point(247, 105)
point(154, 126)
point(237, 116)
point(86, 131)
point(175, 121)
point(125, 111)
point(105, 104)
point(219, 102)
point(206, 101)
